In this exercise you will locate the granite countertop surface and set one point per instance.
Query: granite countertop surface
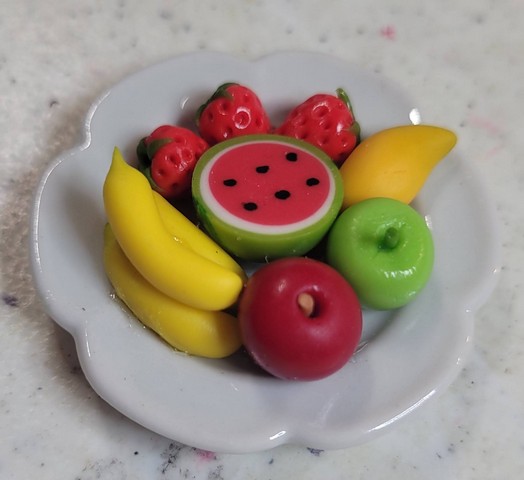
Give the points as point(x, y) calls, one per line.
point(461, 60)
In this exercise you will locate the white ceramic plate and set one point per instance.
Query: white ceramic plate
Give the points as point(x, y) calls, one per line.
point(226, 405)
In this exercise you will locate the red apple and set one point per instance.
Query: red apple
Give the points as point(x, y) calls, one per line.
point(299, 319)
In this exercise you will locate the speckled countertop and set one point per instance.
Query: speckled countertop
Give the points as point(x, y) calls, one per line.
point(461, 60)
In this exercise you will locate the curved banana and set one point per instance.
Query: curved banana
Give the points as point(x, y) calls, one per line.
point(169, 266)
point(197, 332)
point(394, 162)
point(188, 234)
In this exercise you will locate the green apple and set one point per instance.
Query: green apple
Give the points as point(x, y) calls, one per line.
point(384, 249)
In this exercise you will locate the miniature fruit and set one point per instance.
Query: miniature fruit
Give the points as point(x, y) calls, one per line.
point(299, 319)
point(190, 330)
point(167, 158)
point(384, 248)
point(233, 110)
point(177, 271)
point(266, 196)
point(326, 121)
point(394, 163)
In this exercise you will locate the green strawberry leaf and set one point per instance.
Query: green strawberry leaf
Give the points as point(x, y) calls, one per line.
point(355, 127)
point(342, 94)
point(153, 147)
point(141, 153)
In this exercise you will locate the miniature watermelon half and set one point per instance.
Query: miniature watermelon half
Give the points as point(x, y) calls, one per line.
point(263, 197)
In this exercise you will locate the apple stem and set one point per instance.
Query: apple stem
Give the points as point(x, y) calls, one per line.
point(391, 238)
point(306, 303)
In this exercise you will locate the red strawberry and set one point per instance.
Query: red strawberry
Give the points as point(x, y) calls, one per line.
point(326, 121)
point(167, 157)
point(231, 111)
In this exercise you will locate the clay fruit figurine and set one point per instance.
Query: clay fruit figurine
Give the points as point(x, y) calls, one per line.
point(265, 196)
point(167, 157)
point(299, 319)
point(395, 162)
point(166, 249)
point(326, 121)
point(206, 333)
point(231, 111)
point(384, 248)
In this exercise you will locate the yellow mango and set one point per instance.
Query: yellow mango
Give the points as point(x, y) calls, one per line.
point(394, 163)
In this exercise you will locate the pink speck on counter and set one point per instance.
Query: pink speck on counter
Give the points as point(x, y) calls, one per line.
point(389, 32)
point(485, 124)
point(205, 454)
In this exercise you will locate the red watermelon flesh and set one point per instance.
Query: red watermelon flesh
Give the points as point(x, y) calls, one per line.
point(269, 185)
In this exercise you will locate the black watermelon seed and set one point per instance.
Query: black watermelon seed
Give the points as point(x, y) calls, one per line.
point(262, 169)
point(312, 181)
point(282, 194)
point(250, 206)
point(230, 182)
point(292, 156)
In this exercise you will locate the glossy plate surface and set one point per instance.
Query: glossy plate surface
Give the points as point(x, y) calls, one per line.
point(226, 405)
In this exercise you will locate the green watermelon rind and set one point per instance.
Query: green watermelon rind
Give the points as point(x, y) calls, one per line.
point(255, 246)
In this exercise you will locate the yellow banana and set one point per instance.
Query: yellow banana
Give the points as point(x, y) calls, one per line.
point(197, 332)
point(394, 163)
point(168, 265)
point(184, 231)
